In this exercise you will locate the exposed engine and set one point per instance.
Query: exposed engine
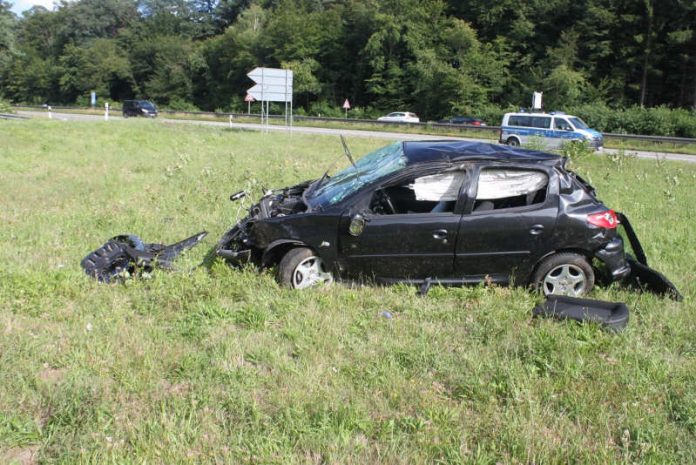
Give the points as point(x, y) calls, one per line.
point(281, 202)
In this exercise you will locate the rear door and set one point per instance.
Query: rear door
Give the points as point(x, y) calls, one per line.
point(508, 223)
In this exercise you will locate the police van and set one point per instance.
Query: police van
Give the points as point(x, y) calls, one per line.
point(552, 129)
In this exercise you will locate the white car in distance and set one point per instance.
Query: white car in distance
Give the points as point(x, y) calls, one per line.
point(400, 117)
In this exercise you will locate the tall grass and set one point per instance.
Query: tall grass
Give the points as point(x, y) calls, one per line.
point(214, 365)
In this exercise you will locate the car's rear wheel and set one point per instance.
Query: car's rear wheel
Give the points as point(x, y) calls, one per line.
point(513, 142)
point(301, 268)
point(564, 273)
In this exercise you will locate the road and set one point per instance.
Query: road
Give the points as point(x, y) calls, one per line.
point(335, 132)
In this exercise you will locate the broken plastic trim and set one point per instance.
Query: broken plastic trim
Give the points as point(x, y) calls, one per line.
point(129, 254)
point(642, 276)
point(612, 315)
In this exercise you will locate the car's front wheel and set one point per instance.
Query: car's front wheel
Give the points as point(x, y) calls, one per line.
point(513, 142)
point(301, 268)
point(564, 273)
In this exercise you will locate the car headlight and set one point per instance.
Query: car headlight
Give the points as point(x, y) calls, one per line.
point(144, 111)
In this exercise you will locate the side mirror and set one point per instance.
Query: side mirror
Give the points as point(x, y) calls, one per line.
point(357, 225)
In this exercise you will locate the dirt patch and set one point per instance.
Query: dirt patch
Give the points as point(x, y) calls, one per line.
point(51, 375)
point(20, 456)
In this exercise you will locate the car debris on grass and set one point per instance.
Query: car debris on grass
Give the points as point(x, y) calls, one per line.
point(424, 213)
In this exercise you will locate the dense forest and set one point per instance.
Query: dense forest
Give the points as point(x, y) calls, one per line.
point(434, 57)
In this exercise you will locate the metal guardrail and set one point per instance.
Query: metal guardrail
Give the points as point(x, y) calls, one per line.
point(11, 116)
point(427, 125)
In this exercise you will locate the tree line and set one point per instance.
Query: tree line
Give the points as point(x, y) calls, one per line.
point(434, 57)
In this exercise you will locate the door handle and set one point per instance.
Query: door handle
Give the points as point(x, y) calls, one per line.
point(536, 229)
point(440, 234)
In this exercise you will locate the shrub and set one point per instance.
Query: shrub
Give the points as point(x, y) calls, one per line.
point(5, 107)
point(658, 121)
point(177, 104)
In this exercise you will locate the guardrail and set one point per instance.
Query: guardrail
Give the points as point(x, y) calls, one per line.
point(11, 116)
point(462, 127)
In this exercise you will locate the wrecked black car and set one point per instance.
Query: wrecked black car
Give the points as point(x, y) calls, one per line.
point(447, 212)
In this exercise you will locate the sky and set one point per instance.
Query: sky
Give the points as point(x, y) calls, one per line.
point(22, 5)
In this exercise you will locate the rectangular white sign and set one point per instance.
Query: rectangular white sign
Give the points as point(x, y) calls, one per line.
point(272, 84)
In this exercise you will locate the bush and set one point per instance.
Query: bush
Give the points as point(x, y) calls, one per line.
point(492, 114)
point(5, 107)
point(657, 121)
point(181, 105)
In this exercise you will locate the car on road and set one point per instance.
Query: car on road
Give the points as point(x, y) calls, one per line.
point(553, 130)
point(465, 120)
point(447, 212)
point(139, 108)
point(400, 117)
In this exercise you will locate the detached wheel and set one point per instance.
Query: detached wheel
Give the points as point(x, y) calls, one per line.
point(300, 268)
point(564, 274)
point(512, 142)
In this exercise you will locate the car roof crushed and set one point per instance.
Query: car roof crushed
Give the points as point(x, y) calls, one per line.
point(457, 150)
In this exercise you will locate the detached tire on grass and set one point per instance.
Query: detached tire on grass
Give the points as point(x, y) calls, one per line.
point(564, 273)
point(301, 268)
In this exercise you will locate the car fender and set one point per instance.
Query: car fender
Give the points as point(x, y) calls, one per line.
point(578, 251)
point(276, 249)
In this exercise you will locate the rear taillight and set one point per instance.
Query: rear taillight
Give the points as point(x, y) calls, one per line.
point(476, 123)
point(606, 219)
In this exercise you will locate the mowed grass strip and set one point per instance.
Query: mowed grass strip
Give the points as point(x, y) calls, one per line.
point(214, 365)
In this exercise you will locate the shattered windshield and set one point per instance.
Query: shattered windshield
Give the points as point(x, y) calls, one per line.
point(373, 166)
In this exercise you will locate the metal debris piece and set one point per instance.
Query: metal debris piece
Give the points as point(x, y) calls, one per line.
point(126, 255)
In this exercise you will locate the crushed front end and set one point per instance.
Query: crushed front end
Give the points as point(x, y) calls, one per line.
point(247, 240)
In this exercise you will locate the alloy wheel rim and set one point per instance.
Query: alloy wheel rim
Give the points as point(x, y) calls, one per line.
point(310, 272)
point(566, 279)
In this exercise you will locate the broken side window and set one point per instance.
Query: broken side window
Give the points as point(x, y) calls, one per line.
point(435, 193)
point(507, 188)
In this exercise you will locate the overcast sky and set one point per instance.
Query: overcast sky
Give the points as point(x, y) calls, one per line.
point(22, 5)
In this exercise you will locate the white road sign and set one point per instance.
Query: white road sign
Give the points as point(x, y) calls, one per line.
point(272, 84)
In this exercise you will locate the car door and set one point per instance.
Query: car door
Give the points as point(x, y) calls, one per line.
point(501, 237)
point(562, 131)
point(406, 245)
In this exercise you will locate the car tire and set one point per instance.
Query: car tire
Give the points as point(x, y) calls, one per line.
point(564, 273)
point(513, 142)
point(301, 268)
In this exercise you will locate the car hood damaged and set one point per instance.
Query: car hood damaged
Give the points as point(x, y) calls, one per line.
point(127, 255)
point(240, 244)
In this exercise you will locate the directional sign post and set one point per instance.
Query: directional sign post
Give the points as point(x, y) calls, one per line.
point(272, 85)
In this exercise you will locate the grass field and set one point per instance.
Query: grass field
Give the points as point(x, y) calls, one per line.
point(454, 131)
point(214, 365)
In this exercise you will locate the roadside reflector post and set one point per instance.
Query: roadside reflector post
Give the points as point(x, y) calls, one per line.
point(106, 111)
point(50, 116)
point(230, 121)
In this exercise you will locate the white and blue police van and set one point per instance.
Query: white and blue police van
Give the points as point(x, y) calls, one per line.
point(552, 129)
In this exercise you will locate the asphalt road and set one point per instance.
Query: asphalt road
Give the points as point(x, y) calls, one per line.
point(333, 132)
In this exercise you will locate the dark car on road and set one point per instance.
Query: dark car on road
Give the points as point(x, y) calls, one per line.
point(449, 212)
point(139, 108)
point(464, 120)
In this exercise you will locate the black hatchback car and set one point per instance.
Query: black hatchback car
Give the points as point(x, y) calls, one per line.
point(139, 108)
point(448, 212)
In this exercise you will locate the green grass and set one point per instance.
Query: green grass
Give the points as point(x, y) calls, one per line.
point(214, 365)
point(665, 147)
